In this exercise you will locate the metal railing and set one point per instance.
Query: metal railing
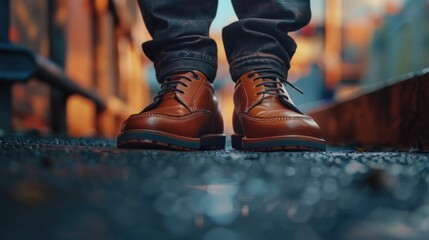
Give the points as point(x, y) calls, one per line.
point(18, 65)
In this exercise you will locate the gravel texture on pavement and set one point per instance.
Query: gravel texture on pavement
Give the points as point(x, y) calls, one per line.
point(62, 188)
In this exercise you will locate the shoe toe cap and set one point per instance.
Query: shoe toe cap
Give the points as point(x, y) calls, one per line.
point(191, 125)
point(255, 127)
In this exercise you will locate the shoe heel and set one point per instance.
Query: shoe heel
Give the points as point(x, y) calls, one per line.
point(236, 141)
point(212, 142)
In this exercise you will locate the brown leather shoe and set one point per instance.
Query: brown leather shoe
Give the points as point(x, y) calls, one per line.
point(184, 116)
point(266, 119)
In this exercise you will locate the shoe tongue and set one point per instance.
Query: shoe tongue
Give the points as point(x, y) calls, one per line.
point(168, 97)
point(269, 98)
point(274, 101)
point(273, 106)
point(170, 105)
point(269, 101)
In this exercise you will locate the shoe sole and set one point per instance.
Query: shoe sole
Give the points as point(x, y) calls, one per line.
point(151, 139)
point(278, 143)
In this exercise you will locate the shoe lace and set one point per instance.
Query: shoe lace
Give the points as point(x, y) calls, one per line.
point(170, 83)
point(272, 82)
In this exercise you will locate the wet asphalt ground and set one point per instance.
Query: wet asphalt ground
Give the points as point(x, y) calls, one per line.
point(59, 188)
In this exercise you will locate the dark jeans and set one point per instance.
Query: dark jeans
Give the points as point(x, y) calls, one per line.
point(180, 31)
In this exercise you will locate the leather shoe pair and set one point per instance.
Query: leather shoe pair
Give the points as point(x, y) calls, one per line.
point(185, 116)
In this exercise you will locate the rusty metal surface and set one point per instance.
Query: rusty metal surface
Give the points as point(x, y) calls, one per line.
point(393, 116)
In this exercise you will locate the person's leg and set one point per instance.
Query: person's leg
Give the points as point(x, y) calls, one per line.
point(185, 113)
point(180, 32)
point(260, 37)
point(259, 51)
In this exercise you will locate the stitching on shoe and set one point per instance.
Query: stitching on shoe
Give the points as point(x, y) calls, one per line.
point(272, 119)
point(185, 117)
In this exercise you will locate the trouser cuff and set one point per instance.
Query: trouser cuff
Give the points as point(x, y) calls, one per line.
point(189, 61)
point(244, 64)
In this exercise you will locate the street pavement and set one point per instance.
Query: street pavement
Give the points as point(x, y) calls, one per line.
point(62, 188)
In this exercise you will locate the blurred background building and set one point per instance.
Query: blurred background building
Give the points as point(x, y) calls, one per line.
point(349, 45)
